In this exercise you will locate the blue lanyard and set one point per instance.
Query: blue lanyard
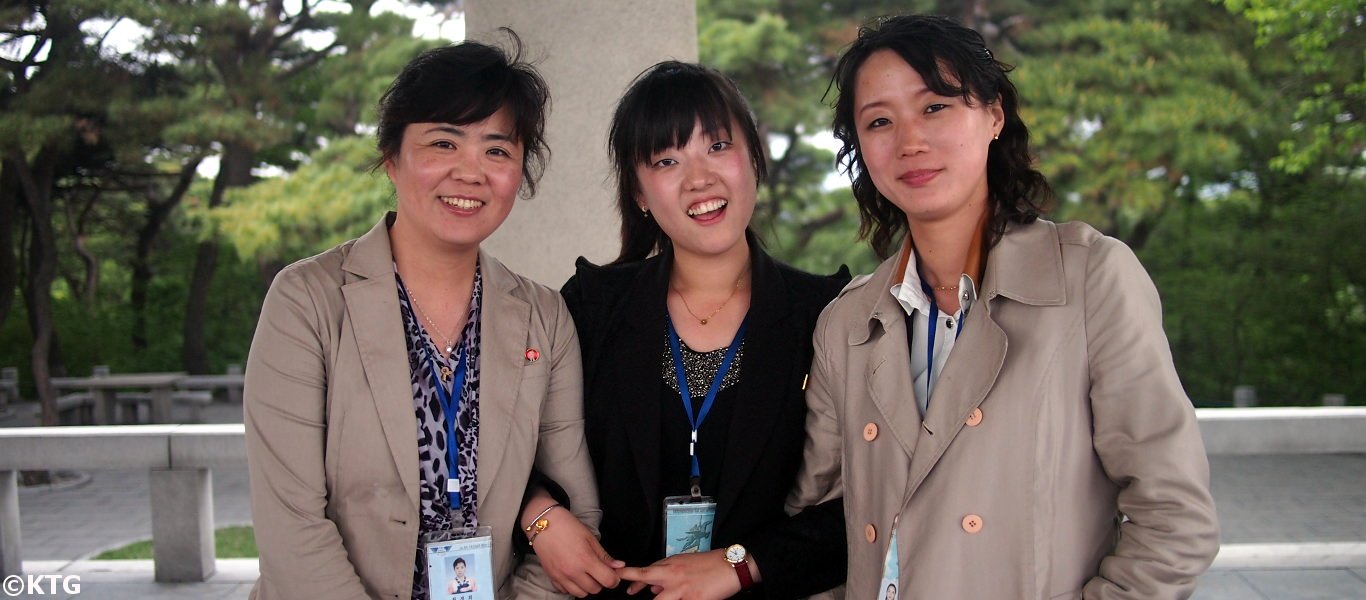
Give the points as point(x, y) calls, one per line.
point(696, 422)
point(930, 333)
point(450, 405)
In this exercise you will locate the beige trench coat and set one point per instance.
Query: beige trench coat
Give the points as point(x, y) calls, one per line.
point(1059, 457)
point(332, 437)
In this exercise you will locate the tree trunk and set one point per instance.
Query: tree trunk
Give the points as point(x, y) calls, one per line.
point(37, 186)
point(234, 170)
point(158, 212)
point(9, 267)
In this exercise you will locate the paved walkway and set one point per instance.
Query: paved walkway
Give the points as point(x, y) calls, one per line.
point(1311, 509)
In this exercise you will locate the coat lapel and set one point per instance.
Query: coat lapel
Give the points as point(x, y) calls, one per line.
point(503, 341)
point(1026, 266)
point(764, 382)
point(889, 372)
point(968, 376)
point(638, 385)
point(371, 294)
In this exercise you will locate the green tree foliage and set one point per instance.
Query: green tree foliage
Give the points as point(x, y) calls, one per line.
point(101, 142)
point(1131, 116)
point(1327, 41)
point(332, 198)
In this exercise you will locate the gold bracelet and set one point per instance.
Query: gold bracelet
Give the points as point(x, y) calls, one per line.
point(538, 524)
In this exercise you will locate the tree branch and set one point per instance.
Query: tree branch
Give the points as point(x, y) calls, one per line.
point(309, 61)
point(810, 228)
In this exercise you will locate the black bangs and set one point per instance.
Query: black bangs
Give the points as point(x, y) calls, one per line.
point(951, 70)
point(659, 111)
point(667, 106)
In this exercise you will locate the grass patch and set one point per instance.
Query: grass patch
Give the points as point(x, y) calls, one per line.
point(237, 541)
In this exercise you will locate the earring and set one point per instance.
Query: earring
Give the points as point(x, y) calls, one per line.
point(645, 212)
point(996, 137)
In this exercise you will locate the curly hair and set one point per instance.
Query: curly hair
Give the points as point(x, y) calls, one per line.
point(954, 61)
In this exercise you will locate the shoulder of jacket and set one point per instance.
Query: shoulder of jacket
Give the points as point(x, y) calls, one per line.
point(805, 285)
point(1077, 233)
point(541, 296)
point(325, 266)
point(854, 284)
point(610, 278)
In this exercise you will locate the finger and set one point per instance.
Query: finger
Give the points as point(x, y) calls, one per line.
point(603, 555)
point(587, 582)
point(632, 573)
point(574, 590)
point(602, 574)
point(635, 587)
point(656, 590)
point(601, 570)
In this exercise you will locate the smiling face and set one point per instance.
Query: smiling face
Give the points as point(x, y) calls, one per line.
point(702, 193)
point(926, 153)
point(455, 183)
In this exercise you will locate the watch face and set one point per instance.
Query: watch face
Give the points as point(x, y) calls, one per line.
point(735, 553)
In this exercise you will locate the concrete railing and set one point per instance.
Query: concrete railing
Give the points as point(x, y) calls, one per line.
point(181, 459)
point(1283, 430)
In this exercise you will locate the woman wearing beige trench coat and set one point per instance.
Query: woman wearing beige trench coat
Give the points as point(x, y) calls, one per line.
point(998, 396)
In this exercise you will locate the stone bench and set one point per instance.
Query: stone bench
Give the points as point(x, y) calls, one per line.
point(195, 399)
point(76, 409)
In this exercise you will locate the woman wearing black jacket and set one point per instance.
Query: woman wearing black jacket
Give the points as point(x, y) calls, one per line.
point(695, 310)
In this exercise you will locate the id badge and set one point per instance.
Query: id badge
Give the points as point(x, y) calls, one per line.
point(687, 524)
point(891, 572)
point(460, 564)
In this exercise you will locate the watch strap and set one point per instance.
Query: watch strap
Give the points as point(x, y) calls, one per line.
point(742, 571)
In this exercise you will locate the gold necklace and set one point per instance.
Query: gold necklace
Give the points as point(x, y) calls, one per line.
point(450, 344)
point(703, 320)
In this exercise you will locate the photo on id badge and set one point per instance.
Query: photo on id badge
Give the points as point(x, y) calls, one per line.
point(891, 573)
point(460, 569)
point(687, 524)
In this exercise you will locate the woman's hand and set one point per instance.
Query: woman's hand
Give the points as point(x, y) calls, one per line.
point(690, 576)
point(575, 561)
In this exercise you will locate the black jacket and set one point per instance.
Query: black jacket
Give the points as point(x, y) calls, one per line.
point(619, 311)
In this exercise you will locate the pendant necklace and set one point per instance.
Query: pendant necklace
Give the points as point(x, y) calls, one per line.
point(446, 373)
point(703, 320)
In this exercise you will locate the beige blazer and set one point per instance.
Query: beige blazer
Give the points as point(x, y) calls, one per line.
point(332, 437)
point(1059, 457)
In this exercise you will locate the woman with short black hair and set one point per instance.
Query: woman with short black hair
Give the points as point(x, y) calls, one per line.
point(402, 386)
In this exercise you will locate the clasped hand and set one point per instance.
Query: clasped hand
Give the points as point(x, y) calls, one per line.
point(574, 560)
point(690, 576)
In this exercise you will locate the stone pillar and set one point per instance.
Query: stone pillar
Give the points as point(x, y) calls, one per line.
point(182, 524)
point(1244, 396)
point(10, 561)
point(235, 391)
point(1335, 400)
point(588, 51)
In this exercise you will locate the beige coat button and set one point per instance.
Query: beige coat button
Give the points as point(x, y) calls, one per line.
point(972, 523)
point(870, 533)
point(870, 432)
point(974, 418)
